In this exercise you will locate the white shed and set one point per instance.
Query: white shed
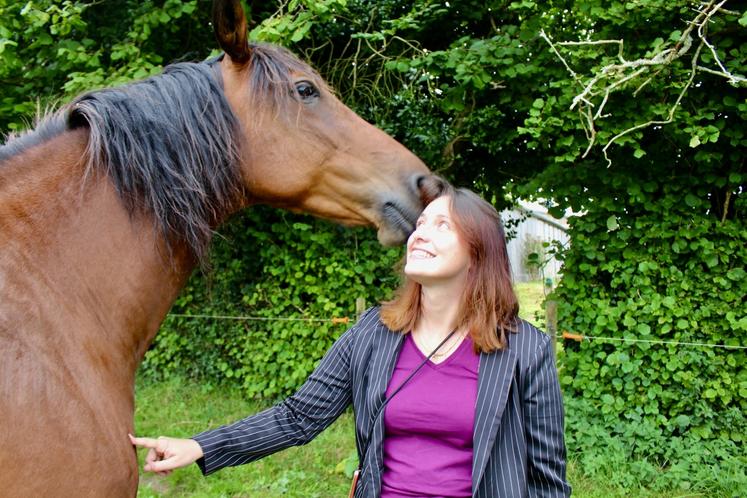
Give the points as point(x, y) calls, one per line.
point(528, 225)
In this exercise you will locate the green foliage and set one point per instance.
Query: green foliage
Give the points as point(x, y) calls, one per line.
point(271, 265)
point(52, 50)
point(293, 24)
point(688, 465)
point(678, 277)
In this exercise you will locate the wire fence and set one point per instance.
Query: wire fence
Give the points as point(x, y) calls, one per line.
point(343, 319)
point(581, 337)
point(347, 320)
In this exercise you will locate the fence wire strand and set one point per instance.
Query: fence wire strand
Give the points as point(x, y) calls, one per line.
point(580, 337)
point(343, 319)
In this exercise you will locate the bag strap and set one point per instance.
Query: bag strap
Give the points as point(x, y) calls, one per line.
point(389, 398)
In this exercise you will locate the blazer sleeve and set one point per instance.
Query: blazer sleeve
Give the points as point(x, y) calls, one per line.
point(292, 422)
point(543, 414)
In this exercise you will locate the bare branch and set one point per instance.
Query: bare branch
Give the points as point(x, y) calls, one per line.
point(612, 77)
point(669, 119)
point(571, 71)
point(620, 44)
point(702, 28)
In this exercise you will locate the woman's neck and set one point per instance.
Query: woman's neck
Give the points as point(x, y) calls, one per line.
point(439, 311)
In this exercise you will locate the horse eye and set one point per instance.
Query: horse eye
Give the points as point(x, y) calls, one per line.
point(306, 90)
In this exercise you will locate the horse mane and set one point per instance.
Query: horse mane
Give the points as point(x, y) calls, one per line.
point(169, 143)
point(47, 127)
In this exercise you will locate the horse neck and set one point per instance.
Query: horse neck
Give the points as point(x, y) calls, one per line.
point(95, 273)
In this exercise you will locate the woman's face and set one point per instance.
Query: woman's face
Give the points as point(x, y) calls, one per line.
point(435, 253)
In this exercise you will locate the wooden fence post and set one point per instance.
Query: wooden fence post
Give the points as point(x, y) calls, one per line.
point(360, 307)
point(551, 316)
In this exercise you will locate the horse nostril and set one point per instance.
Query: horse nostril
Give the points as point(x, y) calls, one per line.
point(429, 187)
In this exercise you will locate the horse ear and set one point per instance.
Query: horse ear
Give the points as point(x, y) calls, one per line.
point(229, 23)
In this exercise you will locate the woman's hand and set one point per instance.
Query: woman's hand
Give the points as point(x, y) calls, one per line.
point(167, 453)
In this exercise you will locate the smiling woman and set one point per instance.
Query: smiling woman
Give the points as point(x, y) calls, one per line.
point(453, 394)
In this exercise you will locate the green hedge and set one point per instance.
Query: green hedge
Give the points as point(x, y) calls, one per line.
point(270, 264)
point(658, 268)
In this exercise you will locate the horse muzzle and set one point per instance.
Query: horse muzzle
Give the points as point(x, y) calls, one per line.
point(398, 217)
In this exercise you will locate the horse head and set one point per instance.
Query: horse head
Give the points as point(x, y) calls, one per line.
point(304, 150)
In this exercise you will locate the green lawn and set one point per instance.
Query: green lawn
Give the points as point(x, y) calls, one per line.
point(531, 295)
point(182, 409)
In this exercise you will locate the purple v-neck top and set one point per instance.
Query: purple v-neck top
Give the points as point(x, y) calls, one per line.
point(429, 425)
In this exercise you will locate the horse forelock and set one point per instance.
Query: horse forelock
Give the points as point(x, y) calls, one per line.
point(169, 145)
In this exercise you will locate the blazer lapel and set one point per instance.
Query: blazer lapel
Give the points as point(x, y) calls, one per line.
point(383, 359)
point(494, 379)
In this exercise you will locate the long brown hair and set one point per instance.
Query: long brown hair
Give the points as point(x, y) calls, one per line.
point(489, 305)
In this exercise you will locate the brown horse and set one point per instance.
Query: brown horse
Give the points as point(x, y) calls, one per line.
point(109, 204)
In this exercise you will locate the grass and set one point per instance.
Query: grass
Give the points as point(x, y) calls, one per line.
point(531, 295)
point(182, 409)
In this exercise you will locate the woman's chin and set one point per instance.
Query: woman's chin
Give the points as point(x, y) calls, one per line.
point(416, 273)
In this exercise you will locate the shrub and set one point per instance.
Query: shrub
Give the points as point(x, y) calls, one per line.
point(658, 270)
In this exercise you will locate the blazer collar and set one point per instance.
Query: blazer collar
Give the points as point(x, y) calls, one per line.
point(494, 379)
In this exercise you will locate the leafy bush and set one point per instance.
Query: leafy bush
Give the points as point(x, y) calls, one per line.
point(688, 464)
point(636, 274)
point(271, 265)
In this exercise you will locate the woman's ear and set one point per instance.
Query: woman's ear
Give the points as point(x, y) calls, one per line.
point(229, 24)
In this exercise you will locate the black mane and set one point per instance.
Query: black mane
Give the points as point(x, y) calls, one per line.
point(168, 143)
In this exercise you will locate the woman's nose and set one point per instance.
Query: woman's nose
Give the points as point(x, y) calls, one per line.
point(421, 233)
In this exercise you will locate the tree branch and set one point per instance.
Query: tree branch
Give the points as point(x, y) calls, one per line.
point(612, 77)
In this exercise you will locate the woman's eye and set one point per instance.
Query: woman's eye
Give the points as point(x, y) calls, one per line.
point(306, 90)
point(444, 224)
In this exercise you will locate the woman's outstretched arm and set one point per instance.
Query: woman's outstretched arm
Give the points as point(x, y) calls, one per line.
point(292, 422)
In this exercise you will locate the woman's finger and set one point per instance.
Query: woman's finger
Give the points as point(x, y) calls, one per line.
point(143, 442)
point(162, 466)
point(151, 457)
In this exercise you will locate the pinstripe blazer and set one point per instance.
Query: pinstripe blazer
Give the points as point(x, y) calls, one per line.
point(519, 448)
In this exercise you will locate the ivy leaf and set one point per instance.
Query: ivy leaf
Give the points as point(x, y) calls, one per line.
point(612, 224)
point(682, 420)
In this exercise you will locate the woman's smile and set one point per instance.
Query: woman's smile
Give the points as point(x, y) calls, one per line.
point(417, 253)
